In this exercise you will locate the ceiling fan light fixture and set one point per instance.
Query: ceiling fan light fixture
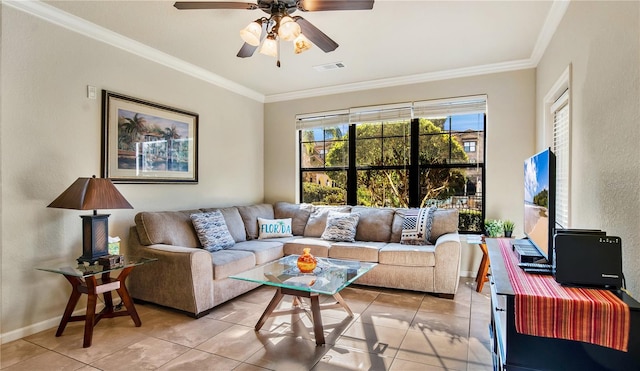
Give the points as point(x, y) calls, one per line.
point(301, 44)
point(288, 29)
point(251, 34)
point(270, 46)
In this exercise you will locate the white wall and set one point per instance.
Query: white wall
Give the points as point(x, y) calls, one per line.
point(510, 134)
point(50, 136)
point(601, 40)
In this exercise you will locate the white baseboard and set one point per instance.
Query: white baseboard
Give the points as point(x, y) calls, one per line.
point(40, 326)
point(468, 274)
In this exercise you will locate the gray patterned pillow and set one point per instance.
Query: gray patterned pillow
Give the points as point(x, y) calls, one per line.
point(212, 230)
point(416, 228)
point(341, 227)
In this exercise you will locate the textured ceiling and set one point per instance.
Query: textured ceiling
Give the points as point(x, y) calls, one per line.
point(397, 41)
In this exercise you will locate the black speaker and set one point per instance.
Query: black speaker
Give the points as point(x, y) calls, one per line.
point(588, 260)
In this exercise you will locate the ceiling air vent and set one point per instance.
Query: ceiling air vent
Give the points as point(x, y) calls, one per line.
point(329, 66)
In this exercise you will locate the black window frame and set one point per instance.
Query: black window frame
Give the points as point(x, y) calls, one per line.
point(414, 167)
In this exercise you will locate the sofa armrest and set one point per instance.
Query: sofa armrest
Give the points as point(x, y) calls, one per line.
point(447, 268)
point(181, 278)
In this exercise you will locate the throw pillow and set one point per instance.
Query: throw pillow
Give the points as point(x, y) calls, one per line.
point(212, 231)
point(444, 221)
point(416, 228)
point(270, 228)
point(341, 227)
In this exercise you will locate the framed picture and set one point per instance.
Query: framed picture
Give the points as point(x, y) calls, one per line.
point(145, 142)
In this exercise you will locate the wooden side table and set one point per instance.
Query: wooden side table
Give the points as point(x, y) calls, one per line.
point(83, 280)
point(481, 277)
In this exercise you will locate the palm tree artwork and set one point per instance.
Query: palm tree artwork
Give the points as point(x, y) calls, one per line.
point(150, 143)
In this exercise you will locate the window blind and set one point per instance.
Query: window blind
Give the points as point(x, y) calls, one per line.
point(447, 107)
point(394, 112)
point(560, 112)
point(389, 112)
point(322, 120)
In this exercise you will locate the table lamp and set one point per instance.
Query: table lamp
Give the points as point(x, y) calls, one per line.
point(92, 194)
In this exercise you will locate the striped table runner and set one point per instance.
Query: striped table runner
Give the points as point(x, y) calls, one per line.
point(545, 308)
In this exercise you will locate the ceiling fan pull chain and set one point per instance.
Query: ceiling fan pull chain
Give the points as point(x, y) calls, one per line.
point(278, 57)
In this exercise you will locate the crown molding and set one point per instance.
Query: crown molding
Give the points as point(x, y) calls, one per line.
point(76, 24)
point(404, 80)
point(549, 27)
point(551, 23)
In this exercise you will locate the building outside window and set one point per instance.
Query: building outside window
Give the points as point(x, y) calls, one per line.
point(469, 146)
point(415, 155)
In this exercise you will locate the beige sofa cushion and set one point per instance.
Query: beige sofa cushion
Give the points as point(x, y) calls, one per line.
point(444, 221)
point(229, 262)
point(318, 219)
point(359, 250)
point(318, 246)
point(374, 224)
point(250, 215)
point(265, 251)
point(234, 222)
point(408, 255)
point(396, 225)
point(167, 227)
point(299, 214)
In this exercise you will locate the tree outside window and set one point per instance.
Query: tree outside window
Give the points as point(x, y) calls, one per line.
point(448, 174)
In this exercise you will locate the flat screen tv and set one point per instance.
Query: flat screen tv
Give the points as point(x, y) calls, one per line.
point(539, 201)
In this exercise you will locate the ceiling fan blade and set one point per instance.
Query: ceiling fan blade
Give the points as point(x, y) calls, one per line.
point(316, 36)
point(247, 50)
point(323, 5)
point(188, 5)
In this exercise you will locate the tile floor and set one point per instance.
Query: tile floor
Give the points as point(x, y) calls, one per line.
point(390, 330)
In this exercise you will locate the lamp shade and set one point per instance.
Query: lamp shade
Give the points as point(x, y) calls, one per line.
point(288, 29)
point(270, 46)
point(251, 34)
point(300, 44)
point(91, 194)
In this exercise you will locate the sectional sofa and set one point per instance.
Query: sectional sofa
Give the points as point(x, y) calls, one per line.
point(191, 279)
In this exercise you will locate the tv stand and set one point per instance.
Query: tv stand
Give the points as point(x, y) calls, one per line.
point(514, 351)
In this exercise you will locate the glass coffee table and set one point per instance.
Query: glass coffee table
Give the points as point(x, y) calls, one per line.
point(329, 278)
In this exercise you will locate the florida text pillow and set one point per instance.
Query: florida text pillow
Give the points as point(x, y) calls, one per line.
point(272, 228)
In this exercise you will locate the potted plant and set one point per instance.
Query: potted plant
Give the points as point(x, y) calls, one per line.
point(493, 227)
point(508, 225)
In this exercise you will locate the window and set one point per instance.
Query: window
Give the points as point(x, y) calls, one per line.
point(469, 146)
point(403, 155)
point(560, 111)
point(558, 125)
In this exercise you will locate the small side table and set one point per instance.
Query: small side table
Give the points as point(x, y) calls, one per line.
point(84, 280)
point(481, 277)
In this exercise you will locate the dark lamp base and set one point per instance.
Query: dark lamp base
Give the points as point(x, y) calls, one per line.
point(95, 238)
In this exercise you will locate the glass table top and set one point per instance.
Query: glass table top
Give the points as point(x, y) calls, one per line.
point(72, 268)
point(329, 277)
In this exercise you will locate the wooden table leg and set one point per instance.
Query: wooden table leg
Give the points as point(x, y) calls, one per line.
point(481, 277)
point(126, 299)
point(93, 287)
point(343, 303)
point(71, 304)
point(90, 316)
point(273, 304)
point(317, 319)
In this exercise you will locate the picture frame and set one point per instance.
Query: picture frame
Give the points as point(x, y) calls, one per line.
point(146, 142)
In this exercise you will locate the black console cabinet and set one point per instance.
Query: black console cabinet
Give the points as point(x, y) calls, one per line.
point(515, 351)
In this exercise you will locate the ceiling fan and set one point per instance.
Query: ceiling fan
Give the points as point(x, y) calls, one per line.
point(280, 24)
